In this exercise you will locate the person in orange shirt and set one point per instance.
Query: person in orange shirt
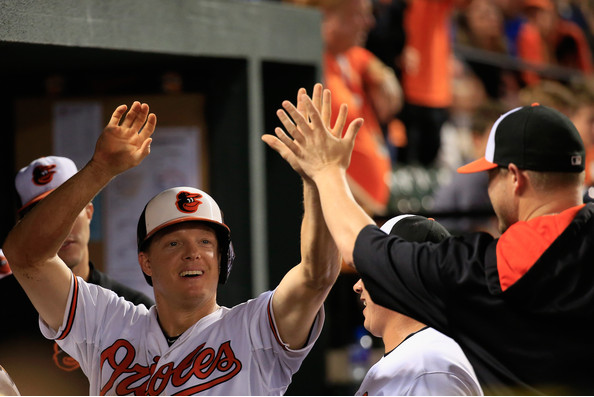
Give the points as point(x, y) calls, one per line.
point(546, 38)
point(426, 76)
point(370, 89)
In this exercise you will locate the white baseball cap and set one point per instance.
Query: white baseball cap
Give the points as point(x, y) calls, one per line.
point(4, 267)
point(41, 177)
point(179, 204)
point(184, 204)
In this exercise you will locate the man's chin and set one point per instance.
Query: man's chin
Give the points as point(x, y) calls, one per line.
point(70, 260)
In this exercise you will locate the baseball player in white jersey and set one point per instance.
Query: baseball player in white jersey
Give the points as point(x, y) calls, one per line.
point(418, 360)
point(186, 343)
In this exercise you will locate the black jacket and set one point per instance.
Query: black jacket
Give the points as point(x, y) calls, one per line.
point(534, 336)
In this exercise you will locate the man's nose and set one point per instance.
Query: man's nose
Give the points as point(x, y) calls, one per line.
point(192, 252)
point(358, 287)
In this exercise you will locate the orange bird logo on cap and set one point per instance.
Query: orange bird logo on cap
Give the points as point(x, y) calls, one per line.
point(188, 202)
point(43, 174)
point(4, 267)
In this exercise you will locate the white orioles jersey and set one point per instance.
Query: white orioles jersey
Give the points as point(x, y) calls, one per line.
point(428, 363)
point(122, 350)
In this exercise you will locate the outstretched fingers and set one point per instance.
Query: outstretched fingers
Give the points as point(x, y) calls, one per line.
point(297, 125)
point(149, 127)
point(131, 115)
point(340, 120)
point(317, 97)
point(284, 138)
point(140, 118)
point(300, 105)
point(326, 111)
point(116, 116)
point(314, 114)
point(281, 148)
point(351, 132)
point(145, 148)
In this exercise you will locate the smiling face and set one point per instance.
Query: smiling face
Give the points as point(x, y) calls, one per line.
point(183, 261)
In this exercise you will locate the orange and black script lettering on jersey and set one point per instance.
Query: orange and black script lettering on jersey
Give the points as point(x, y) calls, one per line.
point(202, 369)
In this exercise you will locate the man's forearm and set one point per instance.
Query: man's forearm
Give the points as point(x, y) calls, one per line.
point(344, 217)
point(318, 250)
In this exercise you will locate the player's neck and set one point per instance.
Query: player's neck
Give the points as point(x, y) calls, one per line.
point(555, 202)
point(398, 330)
point(174, 321)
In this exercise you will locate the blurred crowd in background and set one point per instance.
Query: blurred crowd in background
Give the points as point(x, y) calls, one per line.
point(430, 77)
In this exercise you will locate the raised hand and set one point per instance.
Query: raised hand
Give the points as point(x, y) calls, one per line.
point(125, 143)
point(318, 103)
point(314, 146)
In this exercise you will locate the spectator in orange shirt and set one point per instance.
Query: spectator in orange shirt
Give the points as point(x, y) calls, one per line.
point(369, 88)
point(426, 76)
point(546, 39)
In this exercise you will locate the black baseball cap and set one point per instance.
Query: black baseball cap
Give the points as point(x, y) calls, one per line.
point(415, 228)
point(536, 138)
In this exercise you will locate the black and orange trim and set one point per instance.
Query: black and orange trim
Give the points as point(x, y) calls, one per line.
point(72, 311)
point(273, 327)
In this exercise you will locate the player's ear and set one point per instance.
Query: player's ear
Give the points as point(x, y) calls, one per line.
point(89, 210)
point(519, 178)
point(145, 263)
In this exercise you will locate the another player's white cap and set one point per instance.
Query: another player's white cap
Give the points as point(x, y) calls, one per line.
point(4, 267)
point(183, 204)
point(41, 177)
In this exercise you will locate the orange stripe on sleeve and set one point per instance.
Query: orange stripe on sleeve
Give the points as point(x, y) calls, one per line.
point(72, 310)
point(273, 327)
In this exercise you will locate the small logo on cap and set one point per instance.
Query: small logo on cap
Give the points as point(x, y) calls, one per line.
point(576, 160)
point(4, 267)
point(43, 174)
point(188, 202)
